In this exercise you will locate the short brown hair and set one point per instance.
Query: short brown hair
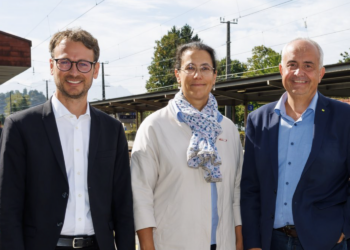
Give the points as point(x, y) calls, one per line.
point(75, 35)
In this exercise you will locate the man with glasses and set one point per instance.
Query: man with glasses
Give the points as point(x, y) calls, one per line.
point(64, 165)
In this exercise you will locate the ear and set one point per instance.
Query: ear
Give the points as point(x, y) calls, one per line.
point(177, 75)
point(96, 70)
point(52, 62)
point(322, 72)
point(214, 77)
point(280, 68)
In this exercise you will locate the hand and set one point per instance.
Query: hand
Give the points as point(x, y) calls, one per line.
point(342, 236)
point(146, 238)
point(239, 238)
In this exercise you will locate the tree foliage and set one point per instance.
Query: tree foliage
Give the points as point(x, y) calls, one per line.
point(14, 101)
point(346, 57)
point(161, 69)
point(236, 68)
point(263, 61)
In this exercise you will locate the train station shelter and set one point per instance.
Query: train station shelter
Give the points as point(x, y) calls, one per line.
point(15, 56)
point(232, 92)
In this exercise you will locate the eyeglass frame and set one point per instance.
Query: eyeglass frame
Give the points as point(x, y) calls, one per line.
point(184, 70)
point(76, 64)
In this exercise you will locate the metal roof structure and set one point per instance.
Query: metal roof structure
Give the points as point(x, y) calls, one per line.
point(263, 89)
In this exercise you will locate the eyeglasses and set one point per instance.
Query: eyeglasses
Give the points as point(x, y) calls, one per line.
point(204, 69)
point(65, 64)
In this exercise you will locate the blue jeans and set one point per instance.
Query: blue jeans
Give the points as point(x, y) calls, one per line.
point(280, 241)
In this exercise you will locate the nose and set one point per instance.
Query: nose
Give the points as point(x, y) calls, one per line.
point(74, 70)
point(298, 72)
point(197, 74)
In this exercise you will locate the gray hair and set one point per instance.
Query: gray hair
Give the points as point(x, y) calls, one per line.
point(318, 47)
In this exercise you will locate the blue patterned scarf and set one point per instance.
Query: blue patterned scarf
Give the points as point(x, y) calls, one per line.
point(202, 151)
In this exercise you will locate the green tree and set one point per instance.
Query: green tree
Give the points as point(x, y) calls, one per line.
point(239, 113)
point(17, 102)
point(161, 69)
point(263, 61)
point(346, 57)
point(236, 68)
point(36, 97)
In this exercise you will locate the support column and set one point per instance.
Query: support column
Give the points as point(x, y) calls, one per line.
point(245, 114)
point(142, 117)
point(137, 120)
point(228, 112)
point(234, 114)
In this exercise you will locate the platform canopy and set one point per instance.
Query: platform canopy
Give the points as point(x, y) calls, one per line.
point(263, 89)
point(15, 56)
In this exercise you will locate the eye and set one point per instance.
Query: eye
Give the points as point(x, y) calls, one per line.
point(84, 64)
point(190, 67)
point(292, 65)
point(64, 62)
point(205, 68)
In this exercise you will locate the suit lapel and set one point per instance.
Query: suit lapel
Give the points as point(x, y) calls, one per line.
point(273, 139)
point(94, 138)
point(52, 133)
point(320, 124)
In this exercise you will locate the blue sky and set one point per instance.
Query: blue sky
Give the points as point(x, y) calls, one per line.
point(127, 31)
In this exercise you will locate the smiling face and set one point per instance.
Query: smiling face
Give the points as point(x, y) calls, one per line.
point(73, 84)
point(300, 70)
point(196, 87)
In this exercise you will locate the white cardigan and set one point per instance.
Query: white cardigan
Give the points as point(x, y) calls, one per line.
point(175, 199)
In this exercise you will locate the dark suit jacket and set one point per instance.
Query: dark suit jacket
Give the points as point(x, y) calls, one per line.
point(34, 185)
point(321, 202)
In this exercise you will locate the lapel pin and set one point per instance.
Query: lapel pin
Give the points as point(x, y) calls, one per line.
point(322, 110)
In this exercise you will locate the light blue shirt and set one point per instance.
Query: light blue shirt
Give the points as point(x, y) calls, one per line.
point(294, 146)
point(214, 194)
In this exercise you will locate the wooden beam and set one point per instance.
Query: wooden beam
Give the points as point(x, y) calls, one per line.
point(169, 96)
point(228, 94)
point(155, 104)
point(280, 86)
point(130, 107)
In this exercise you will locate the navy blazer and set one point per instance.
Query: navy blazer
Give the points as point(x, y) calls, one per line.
point(34, 187)
point(321, 202)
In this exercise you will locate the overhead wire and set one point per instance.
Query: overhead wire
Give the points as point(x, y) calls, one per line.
point(70, 23)
point(247, 36)
point(159, 24)
point(44, 18)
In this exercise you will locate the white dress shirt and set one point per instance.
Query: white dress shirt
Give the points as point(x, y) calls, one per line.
point(74, 135)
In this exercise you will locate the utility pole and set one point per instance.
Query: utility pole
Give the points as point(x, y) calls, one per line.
point(47, 90)
point(10, 102)
point(228, 109)
point(103, 80)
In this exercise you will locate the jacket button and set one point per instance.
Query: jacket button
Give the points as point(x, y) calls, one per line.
point(65, 195)
point(59, 224)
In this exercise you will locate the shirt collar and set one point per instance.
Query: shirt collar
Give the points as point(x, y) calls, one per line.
point(280, 108)
point(179, 114)
point(60, 110)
